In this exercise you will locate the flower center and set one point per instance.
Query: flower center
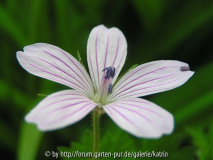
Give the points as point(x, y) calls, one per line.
point(105, 86)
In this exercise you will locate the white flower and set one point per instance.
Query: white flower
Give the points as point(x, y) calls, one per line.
point(106, 54)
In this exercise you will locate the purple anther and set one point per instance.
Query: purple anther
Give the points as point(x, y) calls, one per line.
point(107, 68)
point(110, 72)
point(110, 88)
point(107, 76)
point(113, 72)
point(184, 68)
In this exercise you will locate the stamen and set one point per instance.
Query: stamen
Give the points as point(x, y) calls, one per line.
point(110, 88)
point(105, 69)
point(184, 68)
point(105, 86)
point(113, 72)
point(107, 76)
point(110, 72)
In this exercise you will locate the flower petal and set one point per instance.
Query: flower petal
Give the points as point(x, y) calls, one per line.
point(105, 47)
point(50, 62)
point(140, 117)
point(60, 109)
point(150, 78)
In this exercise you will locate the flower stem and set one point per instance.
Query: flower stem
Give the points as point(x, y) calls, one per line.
point(96, 123)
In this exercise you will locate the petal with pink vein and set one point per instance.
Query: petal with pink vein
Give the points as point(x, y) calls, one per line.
point(105, 48)
point(50, 62)
point(150, 78)
point(140, 117)
point(60, 109)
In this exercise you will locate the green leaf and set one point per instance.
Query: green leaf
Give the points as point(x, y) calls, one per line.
point(84, 145)
point(36, 8)
point(62, 16)
point(30, 138)
point(195, 107)
point(8, 24)
point(9, 92)
point(203, 141)
point(150, 11)
point(114, 140)
point(173, 30)
point(7, 138)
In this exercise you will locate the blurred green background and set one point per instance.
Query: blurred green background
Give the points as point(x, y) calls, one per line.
point(154, 29)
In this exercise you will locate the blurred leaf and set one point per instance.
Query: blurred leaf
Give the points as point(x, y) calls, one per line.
point(45, 30)
point(94, 17)
point(185, 153)
point(150, 11)
point(62, 15)
point(8, 92)
point(115, 12)
point(195, 107)
point(30, 138)
point(35, 11)
point(203, 141)
point(6, 136)
point(175, 28)
point(13, 28)
point(11, 5)
point(84, 146)
point(113, 140)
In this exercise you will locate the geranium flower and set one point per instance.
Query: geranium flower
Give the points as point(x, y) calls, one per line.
point(106, 54)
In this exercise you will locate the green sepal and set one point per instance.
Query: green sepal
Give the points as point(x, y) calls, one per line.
point(79, 58)
point(42, 95)
point(125, 73)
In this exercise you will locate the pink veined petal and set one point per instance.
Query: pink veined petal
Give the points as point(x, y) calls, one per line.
point(50, 62)
point(60, 109)
point(140, 117)
point(150, 78)
point(105, 47)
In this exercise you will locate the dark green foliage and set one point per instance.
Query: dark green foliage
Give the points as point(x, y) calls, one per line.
point(110, 143)
point(84, 146)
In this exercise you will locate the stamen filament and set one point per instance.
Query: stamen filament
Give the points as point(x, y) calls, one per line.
point(110, 88)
